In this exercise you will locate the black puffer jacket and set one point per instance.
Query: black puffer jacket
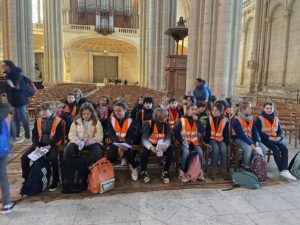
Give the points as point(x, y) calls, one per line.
point(16, 96)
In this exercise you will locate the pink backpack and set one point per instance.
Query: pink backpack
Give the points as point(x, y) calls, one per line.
point(194, 170)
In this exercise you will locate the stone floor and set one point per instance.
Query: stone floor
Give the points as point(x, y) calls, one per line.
point(274, 204)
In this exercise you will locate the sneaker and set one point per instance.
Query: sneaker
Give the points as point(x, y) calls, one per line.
point(134, 174)
point(123, 162)
point(287, 175)
point(165, 177)
point(182, 177)
point(27, 141)
point(201, 177)
point(145, 177)
point(53, 186)
point(7, 208)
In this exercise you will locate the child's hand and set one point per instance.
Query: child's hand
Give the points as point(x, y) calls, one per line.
point(120, 152)
point(153, 149)
point(47, 147)
point(10, 83)
point(164, 148)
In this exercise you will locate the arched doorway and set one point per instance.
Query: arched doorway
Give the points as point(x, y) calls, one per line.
point(96, 59)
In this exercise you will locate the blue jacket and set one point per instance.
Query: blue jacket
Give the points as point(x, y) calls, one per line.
point(237, 127)
point(202, 93)
point(17, 97)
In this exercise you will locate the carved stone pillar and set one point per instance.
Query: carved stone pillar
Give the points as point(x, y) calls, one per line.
point(53, 50)
point(17, 34)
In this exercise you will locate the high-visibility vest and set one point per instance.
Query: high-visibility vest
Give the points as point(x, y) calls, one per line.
point(189, 133)
point(120, 131)
point(217, 134)
point(268, 128)
point(247, 127)
point(56, 121)
point(172, 120)
point(156, 136)
point(228, 111)
point(73, 113)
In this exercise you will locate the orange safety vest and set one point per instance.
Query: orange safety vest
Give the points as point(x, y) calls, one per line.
point(247, 128)
point(120, 131)
point(228, 111)
point(217, 134)
point(53, 128)
point(189, 133)
point(156, 136)
point(172, 120)
point(73, 113)
point(268, 128)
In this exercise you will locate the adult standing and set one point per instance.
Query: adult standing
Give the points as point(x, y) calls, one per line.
point(201, 92)
point(17, 96)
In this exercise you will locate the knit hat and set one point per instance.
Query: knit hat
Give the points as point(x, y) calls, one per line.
point(148, 99)
point(4, 110)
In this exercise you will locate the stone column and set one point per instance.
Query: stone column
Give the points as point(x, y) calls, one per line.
point(254, 79)
point(17, 34)
point(143, 81)
point(213, 44)
point(157, 17)
point(287, 16)
point(53, 50)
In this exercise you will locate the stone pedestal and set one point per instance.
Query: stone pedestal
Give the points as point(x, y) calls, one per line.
point(176, 75)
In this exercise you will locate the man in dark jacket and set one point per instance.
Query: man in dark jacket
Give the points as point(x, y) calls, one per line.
point(17, 96)
point(201, 92)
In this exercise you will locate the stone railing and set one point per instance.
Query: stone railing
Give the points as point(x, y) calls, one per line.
point(38, 26)
point(76, 27)
point(126, 31)
point(91, 28)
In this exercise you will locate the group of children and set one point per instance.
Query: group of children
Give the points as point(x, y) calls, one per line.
point(184, 125)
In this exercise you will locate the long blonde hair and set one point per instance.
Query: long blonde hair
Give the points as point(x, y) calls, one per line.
point(242, 105)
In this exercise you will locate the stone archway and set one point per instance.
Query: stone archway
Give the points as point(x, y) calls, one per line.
point(81, 56)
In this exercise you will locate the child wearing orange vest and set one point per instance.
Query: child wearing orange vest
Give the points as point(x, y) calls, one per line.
point(47, 132)
point(71, 111)
point(245, 134)
point(121, 130)
point(173, 114)
point(217, 135)
point(143, 115)
point(85, 133)
point(157, 134)
point(268, 126)
point(186, 133)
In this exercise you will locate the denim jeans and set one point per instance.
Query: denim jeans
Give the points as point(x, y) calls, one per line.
point(280, 153)
point(247, 151)
point(20, 115)
point(4, 180)
point(218, 148)
point(185, 155)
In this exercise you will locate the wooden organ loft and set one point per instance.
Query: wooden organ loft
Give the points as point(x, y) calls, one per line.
point(105, 14)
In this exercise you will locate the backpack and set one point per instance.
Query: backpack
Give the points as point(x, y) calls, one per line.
point(294, 166)
point(194, 170)
point(74, 175)
point(245, 179)
point(102, 177)
point(4, 139)
point(30, 88)
point(38, 178)
point(259, 167)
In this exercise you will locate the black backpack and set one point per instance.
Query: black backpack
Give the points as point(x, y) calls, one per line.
point(74, 175)
point(38, 178)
